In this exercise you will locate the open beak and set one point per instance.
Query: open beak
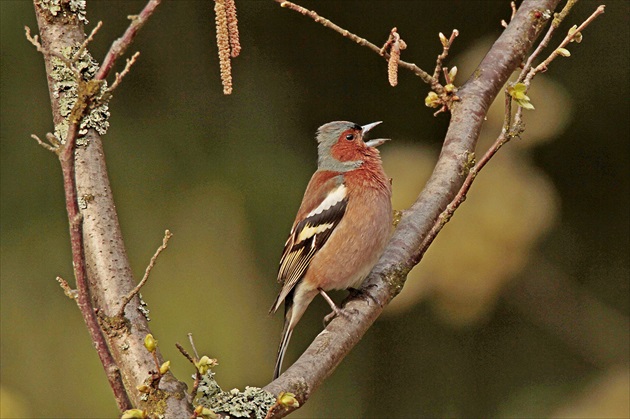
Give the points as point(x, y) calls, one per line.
point(376, 142)
point(366, 128)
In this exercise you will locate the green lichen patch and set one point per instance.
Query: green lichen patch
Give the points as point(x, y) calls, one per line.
point(65, 8)
point(67, 89)
point(254, 402)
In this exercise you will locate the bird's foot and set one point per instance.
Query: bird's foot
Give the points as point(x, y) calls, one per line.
point(360, 293)
point(336, 311)
point(354, 293)
point(330, 316)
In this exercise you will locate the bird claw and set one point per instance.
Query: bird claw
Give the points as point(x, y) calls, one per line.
point(360, 293)
point(354, 293)
point(336, 312)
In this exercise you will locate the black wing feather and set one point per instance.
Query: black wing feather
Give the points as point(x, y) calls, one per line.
point(298, 254)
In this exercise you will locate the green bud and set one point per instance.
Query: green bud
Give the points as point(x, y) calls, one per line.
point(150, 343)
point(452, 73)
point(204, 412)
point(165, 367)
point(432, 100)
point(517, 90)
point(443, 40)
point(525, 104)
point(564, 52)
point(577, 36)
point(143, 388)
point(134, 414)
point(288, 400)
point(208, 414)
point(204, 364)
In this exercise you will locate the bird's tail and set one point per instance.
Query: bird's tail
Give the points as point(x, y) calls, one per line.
point(284, 342)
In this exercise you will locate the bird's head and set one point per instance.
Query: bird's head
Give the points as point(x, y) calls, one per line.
point(342, 145)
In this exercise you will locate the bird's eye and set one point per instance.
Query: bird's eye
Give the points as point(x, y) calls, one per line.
point(350, 137)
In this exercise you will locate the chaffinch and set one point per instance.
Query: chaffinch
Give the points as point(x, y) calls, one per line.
point(342, 226)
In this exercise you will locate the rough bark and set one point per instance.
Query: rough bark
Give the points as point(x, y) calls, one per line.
point(108, 270)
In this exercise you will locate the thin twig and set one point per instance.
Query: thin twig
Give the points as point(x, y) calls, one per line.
point(559, 17)
point(195, 386)
point(69, 292)
point(388, 43)
point(192, 343)
point(567, 39)
point(446, 45)
point(35, 41)
point(119, 76)
point(541, 46)
point(156, 376)
point(136, 290)
point(509, 131)
point(513, 6)
point(528, 73)
point(185, 353)
point(426, 77)
point(447, 78)
point(44, 144)
point(189, 357)
point(89, 39)
point(120, 45)
point(460, 197)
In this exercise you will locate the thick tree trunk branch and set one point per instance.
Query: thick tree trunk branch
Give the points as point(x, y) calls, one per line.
point(109, 275)
point(404, 250)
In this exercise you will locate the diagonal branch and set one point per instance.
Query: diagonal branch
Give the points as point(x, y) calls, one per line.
point(145, 278)
point(120, 45)
point(404, 249)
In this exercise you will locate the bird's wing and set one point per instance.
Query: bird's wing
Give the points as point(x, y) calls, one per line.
point(322, 209)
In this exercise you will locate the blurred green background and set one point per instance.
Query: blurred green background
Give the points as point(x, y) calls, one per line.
point(520, 309)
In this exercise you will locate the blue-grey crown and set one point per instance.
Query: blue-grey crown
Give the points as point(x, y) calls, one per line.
point(329, 133)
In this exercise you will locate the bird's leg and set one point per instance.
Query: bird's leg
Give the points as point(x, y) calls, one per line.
point(336, 311)
point(330, 302)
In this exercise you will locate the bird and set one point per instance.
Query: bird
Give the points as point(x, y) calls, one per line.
point(341, 228)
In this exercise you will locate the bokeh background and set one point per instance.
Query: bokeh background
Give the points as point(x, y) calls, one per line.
point(520, 308)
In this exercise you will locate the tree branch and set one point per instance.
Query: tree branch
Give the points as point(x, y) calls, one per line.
point(145, 278)
point(66, 157)
point(426, 77)
point(120, 45)
point(102, 268)
point(567, 39)
point(404, 250)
